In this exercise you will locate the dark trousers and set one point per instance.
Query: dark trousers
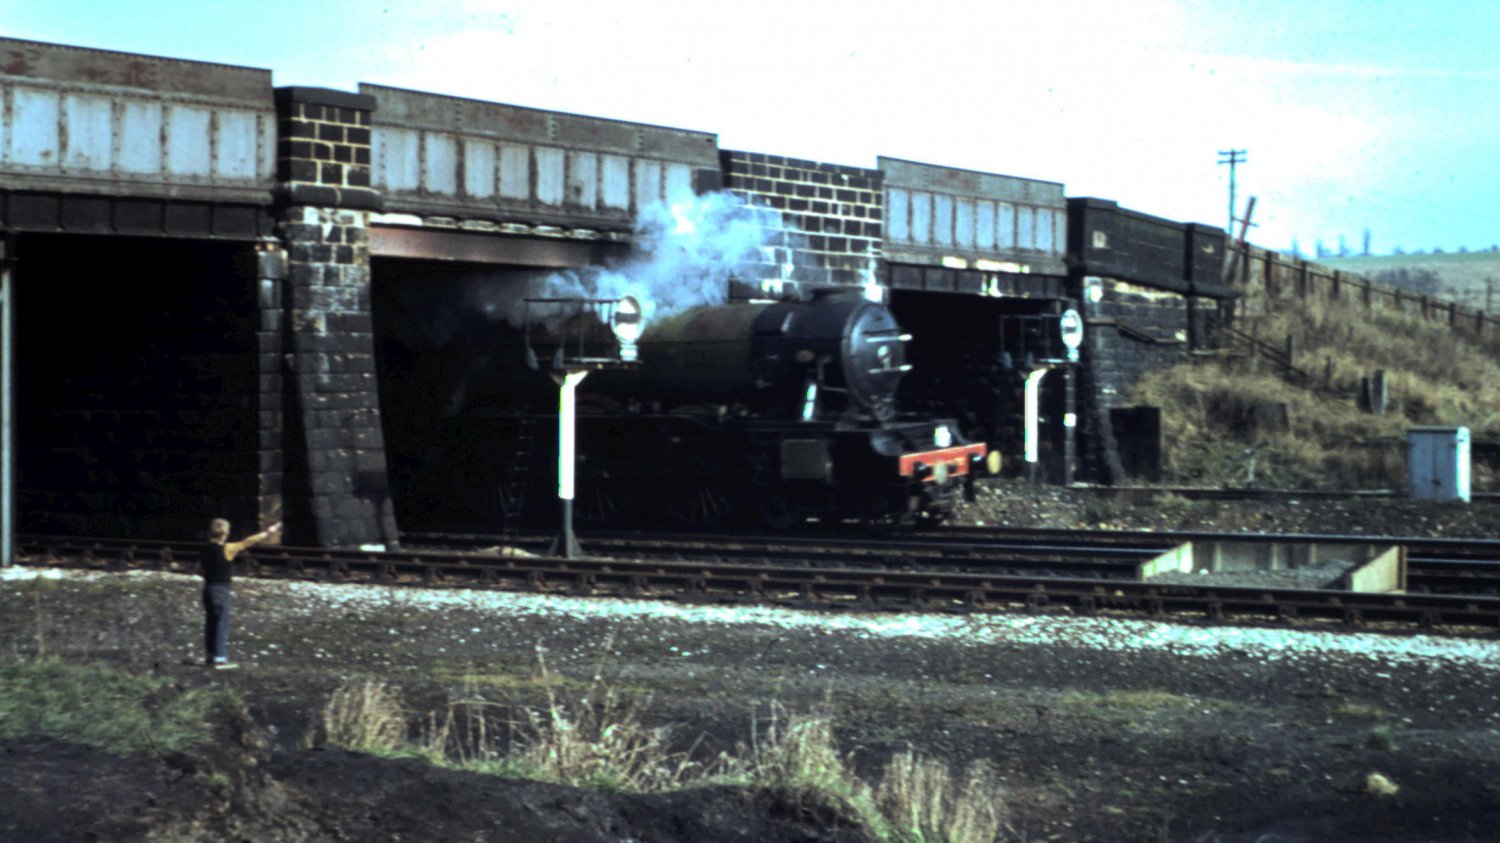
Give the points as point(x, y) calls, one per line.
point(216, 622)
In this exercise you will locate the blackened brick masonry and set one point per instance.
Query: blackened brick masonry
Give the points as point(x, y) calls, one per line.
point(832, 213)
point(336, 484)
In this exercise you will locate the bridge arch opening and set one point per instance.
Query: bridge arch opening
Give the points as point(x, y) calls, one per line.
point(136, 385)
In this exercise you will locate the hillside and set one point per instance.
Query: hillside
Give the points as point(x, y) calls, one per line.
point(1236, 418)
point(1470, 278)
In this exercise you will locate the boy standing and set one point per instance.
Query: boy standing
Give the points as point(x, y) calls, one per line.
point(217, 562)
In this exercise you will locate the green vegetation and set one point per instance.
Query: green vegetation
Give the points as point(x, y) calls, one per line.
point(1360, 711)
point(1223, 415)
point(107, 709)
point(1128, 710)
point(1127, 700)
point(1381, 739)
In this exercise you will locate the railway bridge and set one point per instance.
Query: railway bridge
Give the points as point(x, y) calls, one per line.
point(200, 271)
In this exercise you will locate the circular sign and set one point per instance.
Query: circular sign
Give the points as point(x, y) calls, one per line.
point(1070, 327)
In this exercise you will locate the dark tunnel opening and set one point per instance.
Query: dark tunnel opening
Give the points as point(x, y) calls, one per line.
point(969, 357)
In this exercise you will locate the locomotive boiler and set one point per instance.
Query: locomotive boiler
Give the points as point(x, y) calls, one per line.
point(775, 412)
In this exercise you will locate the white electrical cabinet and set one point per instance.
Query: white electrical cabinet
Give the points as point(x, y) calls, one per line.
point(1437, 462)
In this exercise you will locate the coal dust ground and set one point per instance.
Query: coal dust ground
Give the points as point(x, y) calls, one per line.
point(1098, 728)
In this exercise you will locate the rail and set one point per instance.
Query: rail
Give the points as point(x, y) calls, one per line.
point(808, 587)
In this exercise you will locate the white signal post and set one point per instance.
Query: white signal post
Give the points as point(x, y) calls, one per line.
point(1070, 332)
point(1033, 418)
point(569, 371)
point(566, 543)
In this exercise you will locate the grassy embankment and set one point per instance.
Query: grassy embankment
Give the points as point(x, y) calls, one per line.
point(1435, 376)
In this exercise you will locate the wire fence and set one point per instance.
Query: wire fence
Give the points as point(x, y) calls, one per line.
point(1250, 268)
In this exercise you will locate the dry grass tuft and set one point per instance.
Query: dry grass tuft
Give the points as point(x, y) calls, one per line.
point(365, 716)
point(924, 803)
point(916, 800)
point(795, 751)
point(601, 740)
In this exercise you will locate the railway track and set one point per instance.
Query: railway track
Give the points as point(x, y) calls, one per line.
point(811, 585)
point(1053, 556)
point(1434, 566)
point(1243, 493)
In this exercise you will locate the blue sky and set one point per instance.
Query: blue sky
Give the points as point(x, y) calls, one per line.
point(1356, 114)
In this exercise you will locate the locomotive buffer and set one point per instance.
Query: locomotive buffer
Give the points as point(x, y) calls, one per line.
point(568, 338)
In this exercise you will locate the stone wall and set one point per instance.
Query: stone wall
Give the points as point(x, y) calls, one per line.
point(829, 226)
point(1131, 331)
point(334, 486)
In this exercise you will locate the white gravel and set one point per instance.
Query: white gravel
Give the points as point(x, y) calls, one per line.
point(1009, 629)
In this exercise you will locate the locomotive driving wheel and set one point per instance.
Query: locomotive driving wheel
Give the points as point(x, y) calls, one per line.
point(780, 509)
point(884, 510)
point(700, 500)
point(604, 498)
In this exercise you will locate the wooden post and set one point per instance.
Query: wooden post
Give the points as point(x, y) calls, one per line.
point(1379, 393)
point(7, 403)
point(1290, 349)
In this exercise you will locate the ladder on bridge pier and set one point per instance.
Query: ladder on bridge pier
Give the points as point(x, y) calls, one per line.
point(514, 485)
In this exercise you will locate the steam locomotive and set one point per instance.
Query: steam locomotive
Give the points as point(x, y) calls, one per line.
point(778, 412)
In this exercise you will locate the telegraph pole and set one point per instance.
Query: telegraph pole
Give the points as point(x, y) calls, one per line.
point(1232, 157)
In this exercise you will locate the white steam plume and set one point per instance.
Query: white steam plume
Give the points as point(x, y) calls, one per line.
point(683, 255)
